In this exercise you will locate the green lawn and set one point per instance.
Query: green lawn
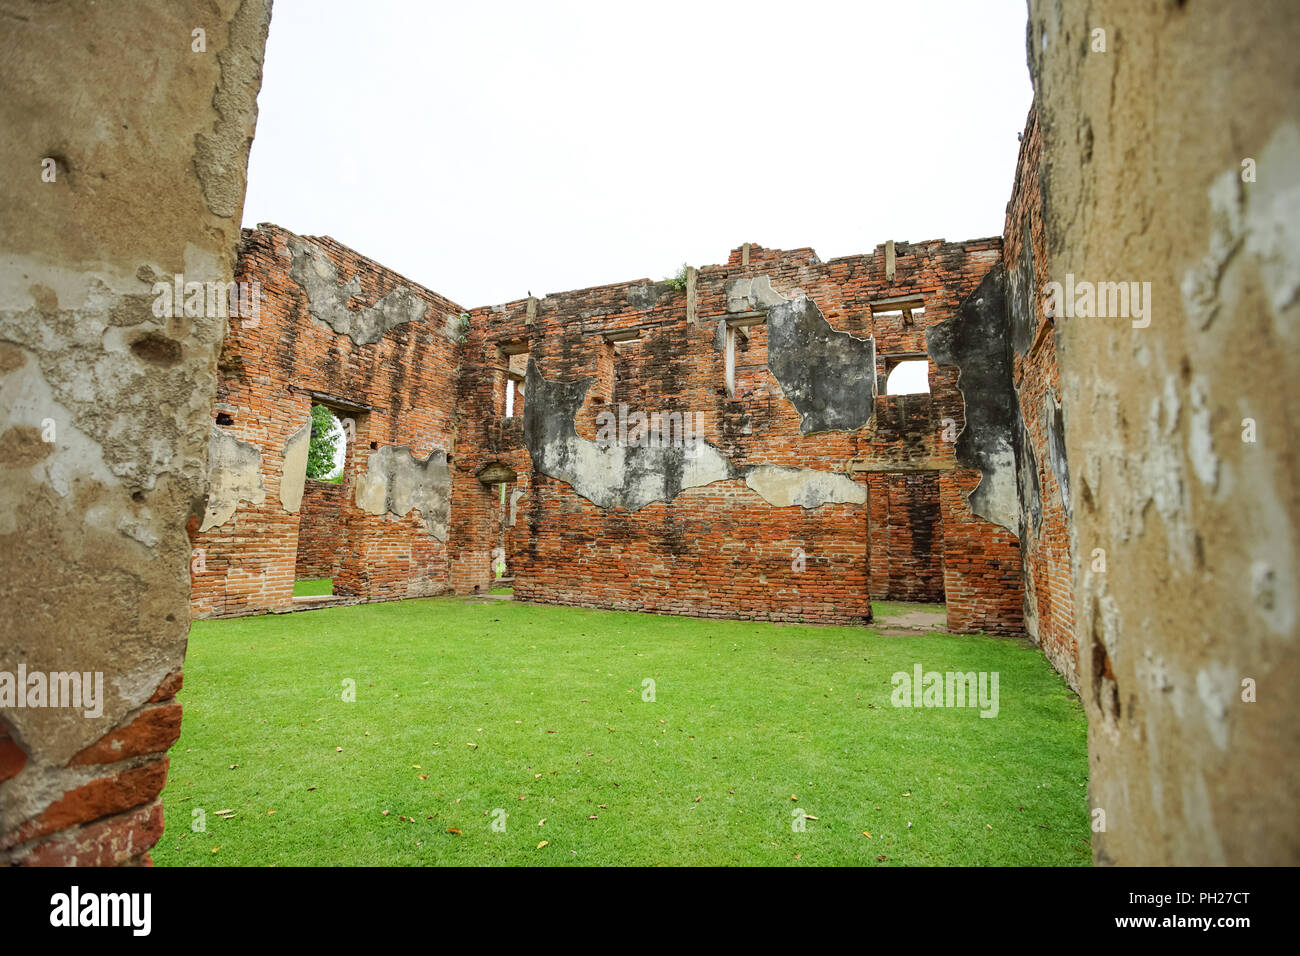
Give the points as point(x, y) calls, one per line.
point(470, 711)
point(313, 586)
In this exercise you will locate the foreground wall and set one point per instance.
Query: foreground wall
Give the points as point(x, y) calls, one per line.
point(104, 405)
point(1173, 158)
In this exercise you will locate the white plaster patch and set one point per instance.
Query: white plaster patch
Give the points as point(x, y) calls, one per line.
point(293, 469)
point(997, 498)
point(396, 482)
point(234, 475)
point(805, 487)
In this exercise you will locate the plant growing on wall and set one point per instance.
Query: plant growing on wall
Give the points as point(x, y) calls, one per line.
point(324, 441)
point(678, 281)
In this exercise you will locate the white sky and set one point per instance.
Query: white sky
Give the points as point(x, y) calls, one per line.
point(487, 150)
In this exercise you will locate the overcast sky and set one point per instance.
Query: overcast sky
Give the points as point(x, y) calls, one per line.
point(487, 150)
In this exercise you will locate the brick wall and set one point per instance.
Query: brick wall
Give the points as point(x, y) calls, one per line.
point(906, 537)
point(319, 538)
point(399, 391)
point(721, 549)
point(1045, 538)
point(981, 563)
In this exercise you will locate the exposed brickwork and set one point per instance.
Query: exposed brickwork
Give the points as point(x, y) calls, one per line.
point(981, 563)
point(716, 550)
point(1046, 544)
point(319, 553)
point(399, 391)
point(99, 798)
point(153, 731)
point(906, 537)
point(119, 840)
point(722, 550)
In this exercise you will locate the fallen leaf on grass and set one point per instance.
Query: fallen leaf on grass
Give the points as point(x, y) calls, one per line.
point(866, 834)
point(453, 830)
point(215, 849)
point(542, 844)
point(271, 811)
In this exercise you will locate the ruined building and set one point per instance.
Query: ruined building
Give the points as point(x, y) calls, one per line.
point(725, 444)
point(776, 362)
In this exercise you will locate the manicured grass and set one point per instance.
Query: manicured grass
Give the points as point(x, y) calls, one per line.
point(313, 586)
point(502, 591)
point(466, 707)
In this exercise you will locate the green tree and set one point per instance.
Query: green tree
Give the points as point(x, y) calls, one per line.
point(320, 453)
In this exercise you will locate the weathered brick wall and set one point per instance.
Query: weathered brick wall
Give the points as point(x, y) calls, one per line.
point(981, 563)
point(319, 554)
point(1045, 534)
point(399, 391)
point(722, 549)
point(906, 537)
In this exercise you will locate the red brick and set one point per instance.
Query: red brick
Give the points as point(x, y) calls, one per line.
point(98, 798)
point(118, 840)
point(153, 731)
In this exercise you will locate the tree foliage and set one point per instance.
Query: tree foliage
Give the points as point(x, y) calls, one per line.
point(324, 440)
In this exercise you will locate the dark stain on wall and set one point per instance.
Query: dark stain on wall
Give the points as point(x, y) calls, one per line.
point(975, 340)
point(828, 375)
